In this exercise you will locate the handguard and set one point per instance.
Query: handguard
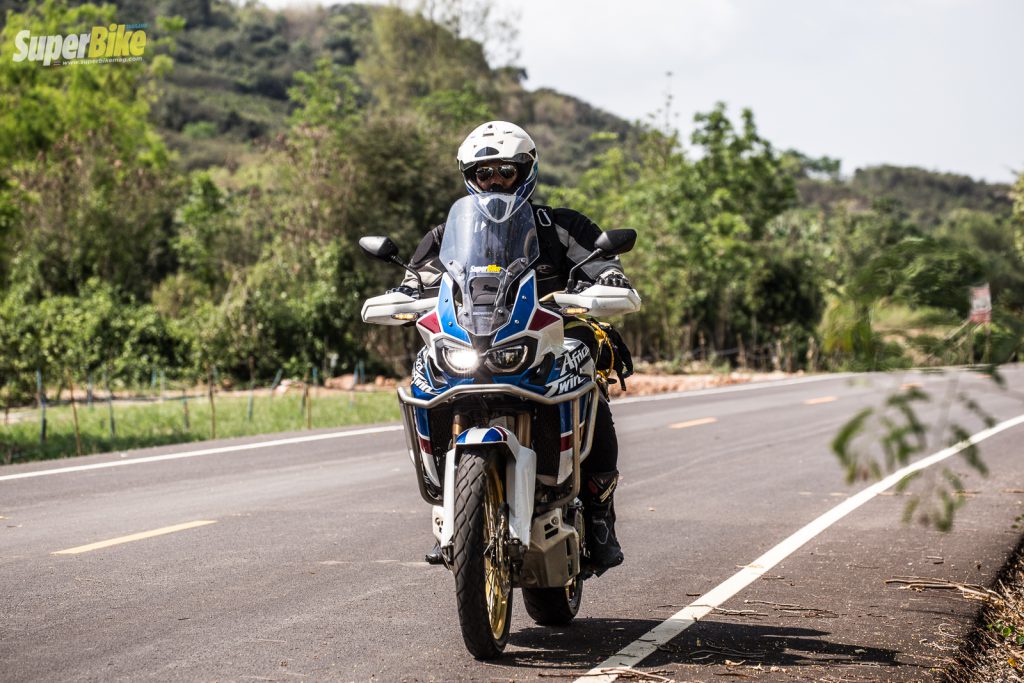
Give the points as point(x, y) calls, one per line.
point(601, 301)
point(396, 308)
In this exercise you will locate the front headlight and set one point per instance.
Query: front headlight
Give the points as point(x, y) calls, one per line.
point(507, 358)
point(460, 359)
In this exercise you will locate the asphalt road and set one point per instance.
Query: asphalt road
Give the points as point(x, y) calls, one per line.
point(303, 559)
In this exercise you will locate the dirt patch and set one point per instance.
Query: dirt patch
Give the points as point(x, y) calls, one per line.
point(647, 385)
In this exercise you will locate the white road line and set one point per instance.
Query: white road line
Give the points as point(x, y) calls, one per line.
point(205, 451)
point(635, 652)
point(751, 386)
point(134, 537)
point(819, 401)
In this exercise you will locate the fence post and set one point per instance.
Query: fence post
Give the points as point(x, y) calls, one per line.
point(307, 402)
point(110, 403)
point(74, 414)
point(162, 378)
point(184, 407)
point(41, 397)
point(213, 405)
point(252, 386)
point(277, 380)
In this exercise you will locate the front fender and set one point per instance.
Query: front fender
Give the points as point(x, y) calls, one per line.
point(520, 478)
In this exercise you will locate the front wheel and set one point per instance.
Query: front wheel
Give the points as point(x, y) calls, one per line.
point(483, 576)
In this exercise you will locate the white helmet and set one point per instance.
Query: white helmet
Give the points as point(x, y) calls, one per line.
point(507, 142)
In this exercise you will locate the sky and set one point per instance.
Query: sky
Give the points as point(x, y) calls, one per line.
point(937, 84)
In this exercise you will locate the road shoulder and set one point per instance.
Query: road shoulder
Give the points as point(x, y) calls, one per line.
point(851, 615)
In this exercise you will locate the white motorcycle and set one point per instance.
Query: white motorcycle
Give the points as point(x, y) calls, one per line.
point(500, 413)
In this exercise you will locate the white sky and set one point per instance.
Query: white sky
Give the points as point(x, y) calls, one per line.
point(932, 83)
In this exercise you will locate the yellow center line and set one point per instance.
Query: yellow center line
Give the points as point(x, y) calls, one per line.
point(823, 399)
point(134, 537)
point(693, 423)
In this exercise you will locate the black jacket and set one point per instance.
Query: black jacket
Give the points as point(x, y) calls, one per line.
point(566, 238)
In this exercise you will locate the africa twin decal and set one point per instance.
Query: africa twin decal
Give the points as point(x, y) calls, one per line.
point(575, 359)
point(419, 376)
point(577, 369)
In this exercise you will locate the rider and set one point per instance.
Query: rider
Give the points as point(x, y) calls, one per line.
point(501, 157)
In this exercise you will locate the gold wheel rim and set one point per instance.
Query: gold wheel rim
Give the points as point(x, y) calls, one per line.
point(497, 573)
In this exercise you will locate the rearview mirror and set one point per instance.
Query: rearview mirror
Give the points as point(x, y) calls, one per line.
point(614, 242)
point(610, 243)
point(379, 247)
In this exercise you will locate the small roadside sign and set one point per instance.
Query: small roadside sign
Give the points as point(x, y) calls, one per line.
point(981, 304)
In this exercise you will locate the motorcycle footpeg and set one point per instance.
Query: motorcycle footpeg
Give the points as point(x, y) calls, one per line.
point(434, 556)
point(448, 555)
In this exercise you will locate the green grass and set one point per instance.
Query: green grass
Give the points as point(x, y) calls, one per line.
point(144, 424)
point(888, 317)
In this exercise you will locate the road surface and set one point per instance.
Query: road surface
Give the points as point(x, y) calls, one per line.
point(299, 556)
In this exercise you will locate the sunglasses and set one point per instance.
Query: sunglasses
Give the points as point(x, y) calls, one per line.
point(506, 171)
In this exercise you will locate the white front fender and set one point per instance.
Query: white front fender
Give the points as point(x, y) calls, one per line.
point(520, 479)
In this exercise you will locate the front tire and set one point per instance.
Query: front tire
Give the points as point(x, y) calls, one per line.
point(483, 576)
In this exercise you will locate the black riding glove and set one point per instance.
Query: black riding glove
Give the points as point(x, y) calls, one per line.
point(613, 278)
point(405, 289)
point(579, 286)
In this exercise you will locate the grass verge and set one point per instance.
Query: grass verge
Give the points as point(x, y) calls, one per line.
point(145, 424)
point(994, 651)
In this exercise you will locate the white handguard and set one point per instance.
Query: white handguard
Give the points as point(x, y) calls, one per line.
point(602, 301)
point(383, 309)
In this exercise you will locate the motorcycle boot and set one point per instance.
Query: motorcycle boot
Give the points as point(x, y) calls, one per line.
point(599, 519)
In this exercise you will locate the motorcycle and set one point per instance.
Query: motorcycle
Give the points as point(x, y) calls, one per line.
point(500, 413)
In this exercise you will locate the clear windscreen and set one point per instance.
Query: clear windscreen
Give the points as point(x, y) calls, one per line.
point(489, 240)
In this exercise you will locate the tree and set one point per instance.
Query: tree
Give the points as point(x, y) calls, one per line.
point(1018, 215)
point(86, 188)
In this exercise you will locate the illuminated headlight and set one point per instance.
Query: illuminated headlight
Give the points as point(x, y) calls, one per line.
point(507, 358)
point(460, 359)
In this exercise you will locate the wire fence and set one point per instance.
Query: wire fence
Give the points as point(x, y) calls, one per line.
point(77, 415)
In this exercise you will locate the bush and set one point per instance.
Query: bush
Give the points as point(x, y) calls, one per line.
point(98, 330)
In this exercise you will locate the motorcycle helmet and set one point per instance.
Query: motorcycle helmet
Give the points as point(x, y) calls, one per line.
point(500, 141)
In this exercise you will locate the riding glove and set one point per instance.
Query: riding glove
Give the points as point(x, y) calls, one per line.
point(613, 278)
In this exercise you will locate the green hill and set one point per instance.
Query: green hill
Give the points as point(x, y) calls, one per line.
point(227, 96)
point(927, 197)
